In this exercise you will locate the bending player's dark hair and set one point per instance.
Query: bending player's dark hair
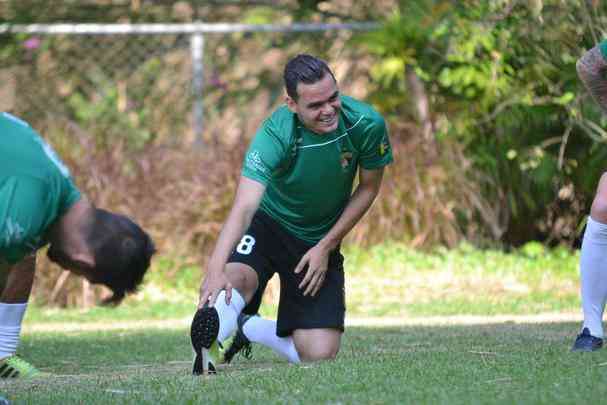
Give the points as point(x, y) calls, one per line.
point(122, 252)
point(305, 69)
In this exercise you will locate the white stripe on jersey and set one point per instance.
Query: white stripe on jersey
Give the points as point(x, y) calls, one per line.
point(333, 140)
point(15, 119)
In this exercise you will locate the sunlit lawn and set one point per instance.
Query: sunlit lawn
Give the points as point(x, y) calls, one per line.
point(462, 326)
point(488, 363)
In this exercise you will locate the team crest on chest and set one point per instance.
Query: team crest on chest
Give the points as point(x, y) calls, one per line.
point(346, 159)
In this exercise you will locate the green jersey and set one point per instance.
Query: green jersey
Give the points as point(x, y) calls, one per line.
point(309, 177)
point(35, 189)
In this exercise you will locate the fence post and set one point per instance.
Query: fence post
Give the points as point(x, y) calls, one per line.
point(197, 49)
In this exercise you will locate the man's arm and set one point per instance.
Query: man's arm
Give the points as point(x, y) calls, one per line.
point(592, 70)
point(317, 258)
point(246, 202)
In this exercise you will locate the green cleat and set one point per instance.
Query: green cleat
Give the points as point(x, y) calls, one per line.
point(16, 367)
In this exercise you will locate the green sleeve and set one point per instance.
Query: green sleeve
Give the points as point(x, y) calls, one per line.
point(375, 149)
point(265, 154)
point(603, 48)
point(70, 195)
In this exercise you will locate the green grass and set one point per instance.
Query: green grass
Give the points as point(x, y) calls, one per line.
point(386, 280)
point(394, 280)
point(490, 364)
point(140, 352)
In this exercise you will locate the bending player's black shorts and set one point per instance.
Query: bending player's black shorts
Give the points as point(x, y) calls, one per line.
point(269, 248)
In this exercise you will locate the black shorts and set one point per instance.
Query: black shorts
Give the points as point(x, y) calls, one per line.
point(269, 248)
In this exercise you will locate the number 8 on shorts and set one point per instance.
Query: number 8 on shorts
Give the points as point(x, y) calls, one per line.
point(246, 245)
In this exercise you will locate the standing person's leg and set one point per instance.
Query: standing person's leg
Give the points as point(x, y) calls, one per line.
point(13, 304)
point(593, 272)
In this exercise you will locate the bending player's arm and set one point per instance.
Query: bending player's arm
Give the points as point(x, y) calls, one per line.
point(592, 70)
point(246, 202)
point(317, 258)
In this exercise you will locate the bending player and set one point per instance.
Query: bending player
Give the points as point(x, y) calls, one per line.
point(39, 204)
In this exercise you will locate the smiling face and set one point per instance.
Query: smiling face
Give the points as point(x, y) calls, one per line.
point(317, 105)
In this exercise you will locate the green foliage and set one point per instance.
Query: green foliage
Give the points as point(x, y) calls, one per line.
point(260, 15)
point(102, 116)
point(501, 80)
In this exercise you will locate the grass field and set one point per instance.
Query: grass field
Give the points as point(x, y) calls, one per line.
point(444, 360)
point(450, 327)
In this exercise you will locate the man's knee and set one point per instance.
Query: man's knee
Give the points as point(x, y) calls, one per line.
point(319, 353)
point(317, 344)
point(243, 278)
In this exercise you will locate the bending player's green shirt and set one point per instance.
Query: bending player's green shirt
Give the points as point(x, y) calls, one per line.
point(309, 177)
point(35, 189)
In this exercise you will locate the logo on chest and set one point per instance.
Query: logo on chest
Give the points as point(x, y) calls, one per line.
point(345, 159)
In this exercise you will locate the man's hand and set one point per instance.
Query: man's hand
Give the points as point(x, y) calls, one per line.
point(317, 260)
point(211, 286)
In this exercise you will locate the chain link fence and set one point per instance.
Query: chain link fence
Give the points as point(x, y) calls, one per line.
point(141, 83)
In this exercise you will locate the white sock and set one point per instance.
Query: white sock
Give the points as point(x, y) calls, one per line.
point(263, 331)
point(593, 269)
point(11, 316)
point(228, 314)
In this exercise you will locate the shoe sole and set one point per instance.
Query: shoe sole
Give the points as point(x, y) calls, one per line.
point(203, 364)
point(586, 349)
point(203, 333)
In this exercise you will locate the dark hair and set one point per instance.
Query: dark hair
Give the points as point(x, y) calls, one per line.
point(122, 252)
point(305, 69)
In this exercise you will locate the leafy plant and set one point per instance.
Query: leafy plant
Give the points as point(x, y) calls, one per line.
point(500, 79)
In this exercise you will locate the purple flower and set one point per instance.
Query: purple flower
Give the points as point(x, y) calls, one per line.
point(32, 43)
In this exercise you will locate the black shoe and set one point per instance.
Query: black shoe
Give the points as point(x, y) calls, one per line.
point(585, 342)
point(240, 342)
point(204, 331)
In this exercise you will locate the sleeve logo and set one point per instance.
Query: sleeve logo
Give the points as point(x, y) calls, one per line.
point(254, 162)
point(13, 232)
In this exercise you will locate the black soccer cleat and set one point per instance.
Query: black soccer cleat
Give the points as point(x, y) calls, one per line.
point(203, 333)
point(241, 344)
point(585, 342)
